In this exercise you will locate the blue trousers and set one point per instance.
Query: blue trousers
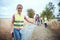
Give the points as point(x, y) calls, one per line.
point(17, 34)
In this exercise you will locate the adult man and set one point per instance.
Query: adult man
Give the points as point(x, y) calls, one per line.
point(18, 22)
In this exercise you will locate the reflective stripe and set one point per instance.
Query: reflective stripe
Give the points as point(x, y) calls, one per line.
point(18, 25)
point(18, 21)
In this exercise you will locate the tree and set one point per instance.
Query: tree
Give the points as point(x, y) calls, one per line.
point(48, 11)
point(59, 4)
point(51, 6)
point(59, 9)
point(30, 13)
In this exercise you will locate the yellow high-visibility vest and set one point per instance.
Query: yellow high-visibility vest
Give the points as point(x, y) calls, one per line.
point(19, 20)
point(45, 19)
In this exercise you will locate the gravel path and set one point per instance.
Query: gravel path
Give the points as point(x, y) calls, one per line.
point(42, 33)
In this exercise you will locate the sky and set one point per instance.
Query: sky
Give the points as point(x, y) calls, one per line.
point(8, 7)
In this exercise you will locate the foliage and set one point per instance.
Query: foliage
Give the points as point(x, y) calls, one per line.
point(30, 13)
point(48, 12)
point(58, 9)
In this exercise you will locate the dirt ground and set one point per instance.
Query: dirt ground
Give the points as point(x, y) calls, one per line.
point(5, 25)
point(52, 32)
point(42, 33)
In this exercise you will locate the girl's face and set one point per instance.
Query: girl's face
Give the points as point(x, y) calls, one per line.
point(19, 8)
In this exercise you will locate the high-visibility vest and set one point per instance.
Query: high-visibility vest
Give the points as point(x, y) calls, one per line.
point(19, 20)
point(45, 19)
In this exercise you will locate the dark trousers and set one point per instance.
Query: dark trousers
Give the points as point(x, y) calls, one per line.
point(45, 25)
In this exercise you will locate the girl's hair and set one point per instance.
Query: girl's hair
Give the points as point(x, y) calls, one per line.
point(19, 5)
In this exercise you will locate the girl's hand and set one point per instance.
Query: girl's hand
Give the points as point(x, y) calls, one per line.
point(31, 22)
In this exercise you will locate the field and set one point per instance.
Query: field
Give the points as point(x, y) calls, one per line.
point(39, 33)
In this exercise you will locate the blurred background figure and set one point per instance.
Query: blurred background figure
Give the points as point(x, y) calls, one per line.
point(41, 20)
point(37, 19)
point(45, 21)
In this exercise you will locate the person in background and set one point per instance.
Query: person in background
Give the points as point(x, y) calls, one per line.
point(18, 22)
point(41, 20)
point(37, 19)
point(45, 22)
